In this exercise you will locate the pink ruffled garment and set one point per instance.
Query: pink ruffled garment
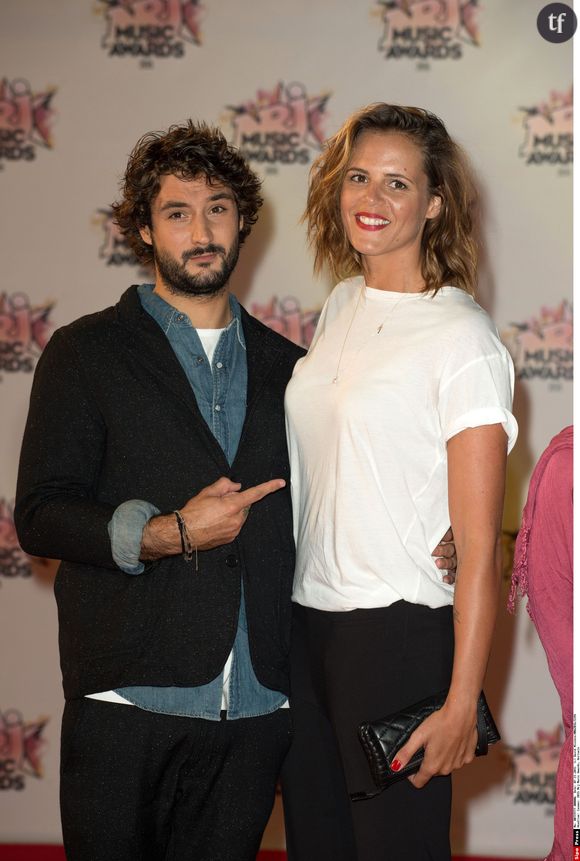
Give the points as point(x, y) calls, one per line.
point(543, 570)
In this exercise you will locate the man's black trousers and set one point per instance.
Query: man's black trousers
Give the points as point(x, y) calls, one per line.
point(141, 786)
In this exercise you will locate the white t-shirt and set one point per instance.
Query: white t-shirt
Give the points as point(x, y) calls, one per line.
point(368, 454)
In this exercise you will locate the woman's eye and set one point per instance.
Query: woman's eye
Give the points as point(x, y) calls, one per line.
point(358, 177)
point(396, 183)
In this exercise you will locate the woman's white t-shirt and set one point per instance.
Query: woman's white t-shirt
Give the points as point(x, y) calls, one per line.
point(368, 452)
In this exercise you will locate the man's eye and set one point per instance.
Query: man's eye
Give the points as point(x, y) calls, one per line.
point(176, 216)
point(216, 210)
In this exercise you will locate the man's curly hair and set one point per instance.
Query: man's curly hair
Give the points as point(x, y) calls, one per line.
point(188, 151)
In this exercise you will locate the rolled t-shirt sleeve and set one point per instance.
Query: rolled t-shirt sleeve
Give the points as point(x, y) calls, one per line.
point(476, 386)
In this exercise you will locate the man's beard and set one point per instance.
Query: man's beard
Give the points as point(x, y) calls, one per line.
point(180, 282)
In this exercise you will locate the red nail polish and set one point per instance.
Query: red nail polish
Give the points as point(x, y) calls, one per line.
point(395, 765)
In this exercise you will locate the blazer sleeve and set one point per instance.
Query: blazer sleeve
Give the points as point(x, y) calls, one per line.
point(57, 512)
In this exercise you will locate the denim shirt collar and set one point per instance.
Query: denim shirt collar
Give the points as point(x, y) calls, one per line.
point(168, 317)
point(219, 387)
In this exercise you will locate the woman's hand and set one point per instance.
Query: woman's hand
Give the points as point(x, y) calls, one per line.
point(449, 737)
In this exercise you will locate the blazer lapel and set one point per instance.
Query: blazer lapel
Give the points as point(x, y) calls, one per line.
point(261, 355)
point(153, 350)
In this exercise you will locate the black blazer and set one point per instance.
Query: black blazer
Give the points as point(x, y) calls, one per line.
point(113, 417)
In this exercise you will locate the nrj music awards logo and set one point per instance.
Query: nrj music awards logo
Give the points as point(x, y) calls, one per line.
point(14, 562)
point(533, 768)
point(542, 346)
point(428, 29)
point(151, 28)
point(21, 748)
point(114, 249)
point(508, 547)
point(281, 126)
point(286, 317)
point(25, 120)
point(24, 332)
point(549, 131)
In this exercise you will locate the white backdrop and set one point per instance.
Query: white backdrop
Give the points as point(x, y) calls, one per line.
point(81, 81)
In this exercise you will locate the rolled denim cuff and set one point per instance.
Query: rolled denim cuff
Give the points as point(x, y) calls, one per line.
point(126, 532)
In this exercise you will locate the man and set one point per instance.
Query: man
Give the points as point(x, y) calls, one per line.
point(154, 464)
point(130, 421)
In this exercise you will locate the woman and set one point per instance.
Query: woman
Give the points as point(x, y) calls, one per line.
point(399, 425)
point(544, 571)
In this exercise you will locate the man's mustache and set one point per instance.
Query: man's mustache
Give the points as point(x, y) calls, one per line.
point(199, 252)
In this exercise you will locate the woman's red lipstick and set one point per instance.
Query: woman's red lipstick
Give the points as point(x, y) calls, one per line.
point(371, 221)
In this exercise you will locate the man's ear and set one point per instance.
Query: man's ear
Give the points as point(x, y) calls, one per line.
point(145, 232)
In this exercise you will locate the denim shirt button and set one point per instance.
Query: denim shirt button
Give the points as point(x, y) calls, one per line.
point(199, 360)
point(180, 318)
point(232, 560)
point(219, 365)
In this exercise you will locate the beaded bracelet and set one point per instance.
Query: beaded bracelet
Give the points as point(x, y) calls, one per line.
point(187, 548)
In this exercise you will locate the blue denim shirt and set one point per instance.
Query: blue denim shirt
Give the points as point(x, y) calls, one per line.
point(220, 392)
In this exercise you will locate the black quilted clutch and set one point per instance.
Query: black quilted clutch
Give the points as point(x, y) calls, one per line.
point(383, 738)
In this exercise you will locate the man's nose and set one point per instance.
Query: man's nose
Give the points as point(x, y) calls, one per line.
point(201, 233)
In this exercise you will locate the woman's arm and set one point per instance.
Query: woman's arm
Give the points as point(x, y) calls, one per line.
point(476, 477)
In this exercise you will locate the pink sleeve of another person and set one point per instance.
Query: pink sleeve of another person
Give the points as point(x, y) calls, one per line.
point(550, 572)
point(549, 588)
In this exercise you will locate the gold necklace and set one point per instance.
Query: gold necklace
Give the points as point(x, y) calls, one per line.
point(335, 380)
point(378, 332)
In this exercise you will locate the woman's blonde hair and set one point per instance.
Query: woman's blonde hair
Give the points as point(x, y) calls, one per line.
point(448, 244)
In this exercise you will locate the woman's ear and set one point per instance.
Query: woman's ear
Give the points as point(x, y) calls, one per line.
point(435, 205)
